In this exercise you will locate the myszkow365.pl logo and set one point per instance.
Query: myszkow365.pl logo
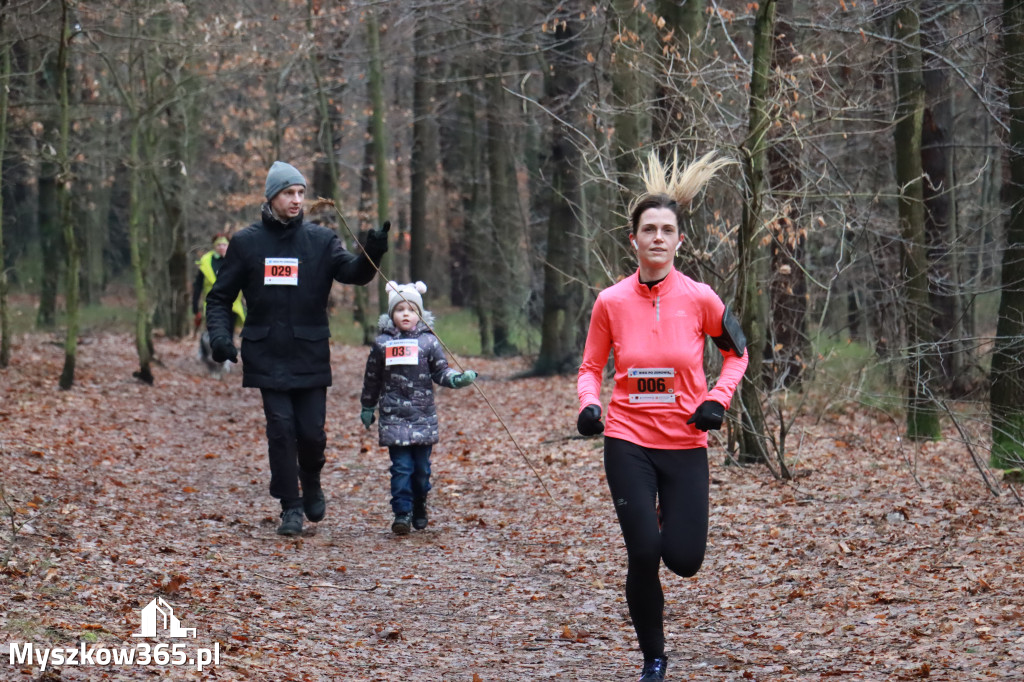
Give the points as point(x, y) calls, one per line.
point(157, 619)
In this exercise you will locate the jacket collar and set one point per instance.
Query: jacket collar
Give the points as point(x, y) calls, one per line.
point(272, 222)
point(387, 326)
point(660, 289)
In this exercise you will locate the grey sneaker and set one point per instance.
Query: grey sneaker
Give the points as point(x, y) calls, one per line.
point(401, 524)
point(291, 521)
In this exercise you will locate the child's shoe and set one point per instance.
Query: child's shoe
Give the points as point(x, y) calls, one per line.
point(400, 526)
point(419, 514)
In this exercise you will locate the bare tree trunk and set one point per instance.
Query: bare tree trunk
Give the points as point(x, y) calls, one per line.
point(423, 156)
point(327, 135)
point(464, 177)
point(49, 242)
point(67, 375)
point(922, 370)
point(753, 257)
point(790, 346)
point(1007, 392)
point(380, 146)
point(627, 98)
point(937, 146)
point(504, 290)
point(94, 209)
point(363, 314)
point(136, 236)
point(5, 79)
point(561, 293)
point(673, 113)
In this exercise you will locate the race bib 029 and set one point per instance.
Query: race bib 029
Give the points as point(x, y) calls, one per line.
point(651, 385)
point(402, 352)
point(281, 271)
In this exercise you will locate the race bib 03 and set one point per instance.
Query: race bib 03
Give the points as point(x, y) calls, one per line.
point(402, 352)
point(647, 385)
point(281, 271)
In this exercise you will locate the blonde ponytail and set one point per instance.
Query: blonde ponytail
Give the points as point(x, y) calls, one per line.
point(679, 185)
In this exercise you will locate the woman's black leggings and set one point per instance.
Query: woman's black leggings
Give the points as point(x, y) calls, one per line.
point(643, 482)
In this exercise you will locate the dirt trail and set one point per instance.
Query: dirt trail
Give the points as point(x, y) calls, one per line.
point(123, 493)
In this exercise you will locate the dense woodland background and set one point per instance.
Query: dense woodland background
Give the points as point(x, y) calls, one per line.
point(869, 236)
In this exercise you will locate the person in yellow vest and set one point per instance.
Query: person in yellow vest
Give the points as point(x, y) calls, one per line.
point(209, 265)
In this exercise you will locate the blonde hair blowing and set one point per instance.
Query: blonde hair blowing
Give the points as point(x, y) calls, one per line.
point(679, 185)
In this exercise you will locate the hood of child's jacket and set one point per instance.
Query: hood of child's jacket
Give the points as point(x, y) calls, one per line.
point(386, 325)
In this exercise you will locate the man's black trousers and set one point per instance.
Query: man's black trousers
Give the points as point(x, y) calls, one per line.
point(295, 439)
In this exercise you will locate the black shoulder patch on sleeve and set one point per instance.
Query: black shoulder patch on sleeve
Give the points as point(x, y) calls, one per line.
point(732, 338)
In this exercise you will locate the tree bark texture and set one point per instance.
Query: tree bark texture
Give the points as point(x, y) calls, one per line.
point(1007, 392)
point(5, 79)
point(423, 157)
point(64, 180)
point(380, 150)
point(922, 372)
point(558, 346)
point(752, 248)
point(789, 346)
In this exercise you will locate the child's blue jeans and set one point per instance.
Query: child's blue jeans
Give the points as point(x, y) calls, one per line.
point(410, 475)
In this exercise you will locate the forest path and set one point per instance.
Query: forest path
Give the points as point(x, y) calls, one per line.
point(128, 492)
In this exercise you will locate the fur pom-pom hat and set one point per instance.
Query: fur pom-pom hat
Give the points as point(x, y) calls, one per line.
point(413, 293)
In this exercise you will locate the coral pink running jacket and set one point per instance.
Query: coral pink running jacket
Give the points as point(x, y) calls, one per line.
point(657, 335)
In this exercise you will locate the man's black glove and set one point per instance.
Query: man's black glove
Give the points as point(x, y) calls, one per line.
point(708, 416)
point(377, 241)
point(222, 349)
point(589, 421)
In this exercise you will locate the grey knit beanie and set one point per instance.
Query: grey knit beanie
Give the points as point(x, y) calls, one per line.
point(411, 293)
point(280, 176)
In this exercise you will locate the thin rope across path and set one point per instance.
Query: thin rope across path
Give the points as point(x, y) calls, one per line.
point(321, 202)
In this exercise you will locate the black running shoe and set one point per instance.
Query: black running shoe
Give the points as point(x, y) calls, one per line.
point(654, 669)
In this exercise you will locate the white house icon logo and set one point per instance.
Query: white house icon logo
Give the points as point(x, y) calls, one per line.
point(170, 623)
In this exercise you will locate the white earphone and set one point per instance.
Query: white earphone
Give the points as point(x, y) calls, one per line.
point(633, 241)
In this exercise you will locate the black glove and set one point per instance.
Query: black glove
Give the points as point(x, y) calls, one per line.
point(589, 421)
point(222, 349)
point(708, 416)
point(377, 241)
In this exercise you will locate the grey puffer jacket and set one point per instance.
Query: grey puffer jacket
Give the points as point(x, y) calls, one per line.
point(405, 391)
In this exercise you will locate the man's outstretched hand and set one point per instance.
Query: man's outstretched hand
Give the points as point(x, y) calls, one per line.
point(377, 241)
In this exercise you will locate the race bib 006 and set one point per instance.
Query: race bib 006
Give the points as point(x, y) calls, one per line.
point(651, 385)
point(402, 352)
point(281, 271)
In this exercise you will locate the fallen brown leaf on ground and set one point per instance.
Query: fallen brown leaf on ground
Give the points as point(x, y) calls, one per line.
point(117, 493)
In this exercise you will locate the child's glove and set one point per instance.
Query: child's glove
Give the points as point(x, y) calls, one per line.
point(464, 379)
point(588, 423)
point(366, 416)
point(708, 416)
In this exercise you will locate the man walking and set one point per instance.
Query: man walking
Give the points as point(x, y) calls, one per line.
point(285, 266)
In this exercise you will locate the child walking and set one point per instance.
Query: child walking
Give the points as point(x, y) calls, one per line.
point(405, 361)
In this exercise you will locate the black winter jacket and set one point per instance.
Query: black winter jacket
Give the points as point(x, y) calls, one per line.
point(286, 338)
